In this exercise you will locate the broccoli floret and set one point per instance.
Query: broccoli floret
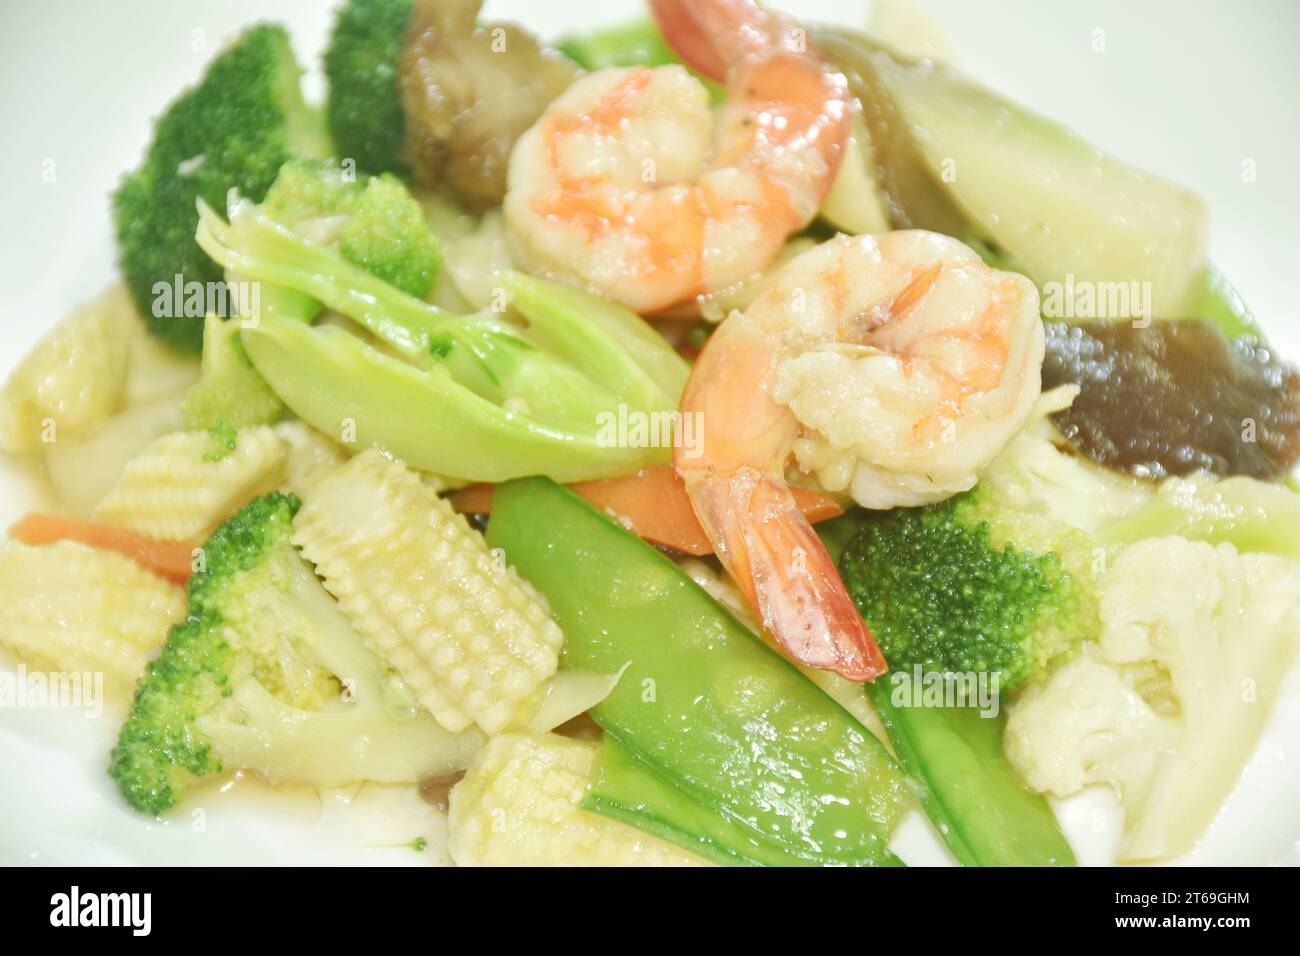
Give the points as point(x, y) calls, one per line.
point(972, 585)
point(225, 439)
point(372, 221)
point(229, 389)
point(365, 108)
point(266, 673)
point(233, 130)
point(160, 747)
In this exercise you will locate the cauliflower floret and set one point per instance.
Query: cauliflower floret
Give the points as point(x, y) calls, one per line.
point(1086, 725)
point(1033, 474)
point(1168, 706)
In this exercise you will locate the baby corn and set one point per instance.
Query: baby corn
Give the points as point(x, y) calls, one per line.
point(466, 634)
point(76, 609)
point(174, 489)
point(73, 379)
point(518, 806)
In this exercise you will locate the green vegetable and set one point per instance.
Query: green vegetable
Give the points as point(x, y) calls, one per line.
point(972, 795)
point(636, 43)
point(365, 106)
point(232, 131)
point(972, 586)
point(373, 221)
point(754, 762)
point(1215, 300)
point(977, 588)
point(266, 673)
point(855, 204)
point(481, 397)
point(1251, 515)
point(229, 388)
point(627, 789)
point(962, 160)
point(225, 438)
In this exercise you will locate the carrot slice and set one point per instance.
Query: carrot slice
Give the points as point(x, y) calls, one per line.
point(653, 504)
point(472, 499)
point(173, 560)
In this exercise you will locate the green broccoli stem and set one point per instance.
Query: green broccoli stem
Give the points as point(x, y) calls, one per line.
point(608, 342)
point(332, 379)
point(229, 389)
point(254, 245)
point(482, 352)
point(635, 43)
point(491, 358)
point(1248, 514)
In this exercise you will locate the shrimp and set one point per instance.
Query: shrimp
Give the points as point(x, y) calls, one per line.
point(894, 367)
point(623, 186)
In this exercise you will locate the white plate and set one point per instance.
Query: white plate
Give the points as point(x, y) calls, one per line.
point(1196, 91)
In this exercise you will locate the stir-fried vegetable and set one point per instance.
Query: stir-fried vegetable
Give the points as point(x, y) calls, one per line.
point(466, 635)
point(72, 380)
point(265, 673)
point(1062, 209)
point(1168, 704)
point(1095, 584)
point(365, 107)
point(1252, 516)
point(519, 805)
point(478, 397)
point(229, 388)
point(173, 560)
point(972, 585)
point(180, 488)
point(778, 769)
point(83, 610)
point(232, 131)
point(975, 799)
point(960, 593)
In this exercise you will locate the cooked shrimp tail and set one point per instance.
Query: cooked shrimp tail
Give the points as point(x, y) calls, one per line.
point(784, 571)
point(712, 37)
point(892, 367)
point(735, 480)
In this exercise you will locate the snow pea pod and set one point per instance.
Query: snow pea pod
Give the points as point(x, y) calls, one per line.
point(778, 769)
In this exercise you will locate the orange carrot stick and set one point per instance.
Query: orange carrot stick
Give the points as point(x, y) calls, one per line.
point(169, 559)
point(472, 499)
point(654, 505)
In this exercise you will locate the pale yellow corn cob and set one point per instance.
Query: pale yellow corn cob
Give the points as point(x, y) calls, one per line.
point(308, 454)
point(171, 489)
point(73, 378)
point(518, 806)
point(469, 637)
point(70, 608)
